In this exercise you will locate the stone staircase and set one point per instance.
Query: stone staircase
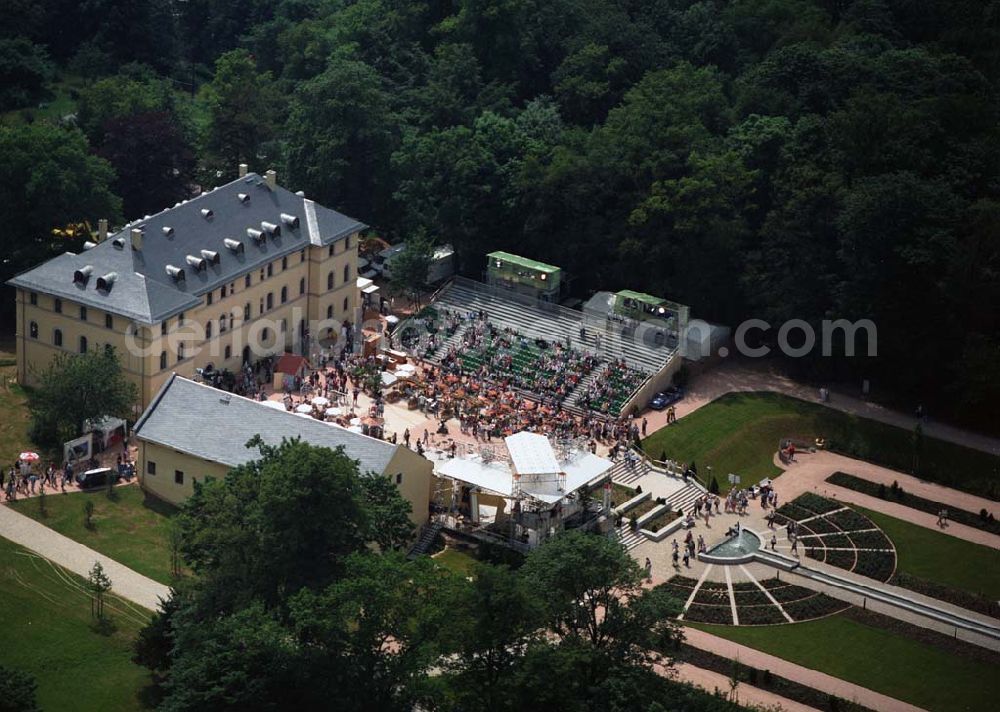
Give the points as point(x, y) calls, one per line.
point(629, 538)
point(427, 535)
point(626, 475)
point(683, 498)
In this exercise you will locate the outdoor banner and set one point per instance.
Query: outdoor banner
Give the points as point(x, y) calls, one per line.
point(78, 450)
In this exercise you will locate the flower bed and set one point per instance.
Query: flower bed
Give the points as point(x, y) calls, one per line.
point(754, 597)
point(657, 523)
point(712, 592)
point(876, 564)
point(785, 592)
point(816, 504)
point(790, 510)
point(971, 519)
point(709, 614)
point(760, 615)
point(871, 540)
point(816, 606)
point(818, 526)
point(849, 519)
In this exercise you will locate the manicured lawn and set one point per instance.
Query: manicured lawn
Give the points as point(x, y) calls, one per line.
point(941, 558)
point(878, 659)
point(13, 405)
point(740, 433)
point(457, 561)
point(132, 529)
point(47, 631)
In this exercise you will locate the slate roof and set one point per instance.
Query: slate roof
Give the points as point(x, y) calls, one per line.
point(144, 292)
point(215, 425)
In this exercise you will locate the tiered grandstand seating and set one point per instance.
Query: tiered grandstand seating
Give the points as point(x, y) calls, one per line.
point(553, 324)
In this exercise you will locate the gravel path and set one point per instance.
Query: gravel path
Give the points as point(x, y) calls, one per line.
point(79, 559)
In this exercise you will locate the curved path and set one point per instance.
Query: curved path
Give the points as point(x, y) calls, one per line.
point(79, 559)
point(803, 675)
point(747, 375)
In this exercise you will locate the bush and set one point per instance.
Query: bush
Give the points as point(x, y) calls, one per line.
point(713, 486)
point(881, 490)
point(88, 514)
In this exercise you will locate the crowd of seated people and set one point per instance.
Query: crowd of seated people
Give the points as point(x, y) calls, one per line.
point(612, 387)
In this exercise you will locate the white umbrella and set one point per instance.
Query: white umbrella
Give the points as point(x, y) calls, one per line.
point(321, 400)
point(406, 368)
point(334, 410)
point(303, 408)
point(28, 457)
point(387, 378)
point(277, 405)
point(355, 421)
point(766, 482)
point(356, 429)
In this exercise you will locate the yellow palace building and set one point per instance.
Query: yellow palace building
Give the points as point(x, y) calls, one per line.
point(241, 271)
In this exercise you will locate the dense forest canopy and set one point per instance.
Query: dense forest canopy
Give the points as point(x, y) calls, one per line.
point(811, 159)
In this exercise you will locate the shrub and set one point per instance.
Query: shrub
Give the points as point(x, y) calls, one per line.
point(881, 490)
point(88, 514)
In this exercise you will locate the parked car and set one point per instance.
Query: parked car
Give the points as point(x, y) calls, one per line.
point(666, 398)
point(95, 478)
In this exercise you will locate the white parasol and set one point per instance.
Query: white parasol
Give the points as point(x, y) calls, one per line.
point(303, 408)
point(321, 400)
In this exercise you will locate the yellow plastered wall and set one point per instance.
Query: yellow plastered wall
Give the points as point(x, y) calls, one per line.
point(183, 341)
point(163, 483)
point(415, 483)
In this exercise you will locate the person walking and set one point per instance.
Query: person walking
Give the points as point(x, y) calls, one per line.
point(649, 569)
point(774, 542)
point(644, 423)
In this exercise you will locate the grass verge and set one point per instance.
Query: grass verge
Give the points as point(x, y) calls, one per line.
point(740, 432)
point(886, 660)
point(132, 529)
point(932, 556)
point(48, 632)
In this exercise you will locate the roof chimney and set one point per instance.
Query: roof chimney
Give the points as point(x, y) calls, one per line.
point(104, 283)
point(291, 221)
point(102, 229)
point(198, 263)
point(211, 255)
point(256, 235)
point(167, 230)
point(175, 272)
point(272, 179)
point(244, 168)
point(81, 275)
point(270, 228)
point(136, 238)
point(234, 245)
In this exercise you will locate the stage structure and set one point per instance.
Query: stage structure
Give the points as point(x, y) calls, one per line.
point(521, 493)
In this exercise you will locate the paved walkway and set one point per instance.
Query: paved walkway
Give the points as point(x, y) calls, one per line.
point(803, 675)
point(79, 559)
point(759, 375)
point(746, 694)
point(809, 472)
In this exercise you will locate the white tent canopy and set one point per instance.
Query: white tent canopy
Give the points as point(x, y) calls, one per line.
point(277, 405)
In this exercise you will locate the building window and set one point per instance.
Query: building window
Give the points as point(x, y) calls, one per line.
point(270, 269)
point(302, 286)
point(209, 297)
point(150, 467)
point(208, 330)
point(329, 312)
point(222, 324)
point(33, 298)
point(180, 319)
point(222, 292)
point(284, 294)
point(163, 328)
point(229, 352)
point(399, 478)
point(180, 352)
point(33, 329)
point(246, 282)
point(83, 313)
point(261, 274)
point(178, 477)
point(347, 242)
point(57, 306)
point(83, 344)
point(232, 288)
point(246, 312)
point(270, 301)
point(331, 249)
point(347, 273)
point(346, 304)
point(57, 337)
point(302, 256)
point(264, 333)
point(329, 281)
point(163, 360)
point(109, 321)
point(284, 263)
